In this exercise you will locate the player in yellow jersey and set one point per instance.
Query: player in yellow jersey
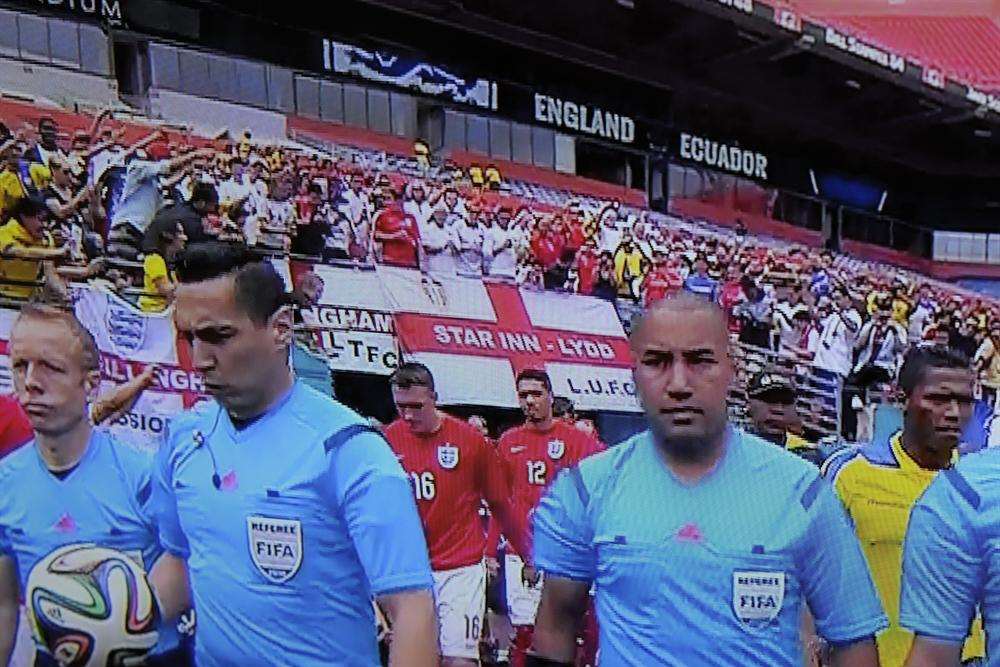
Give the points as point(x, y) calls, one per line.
point(880, 482)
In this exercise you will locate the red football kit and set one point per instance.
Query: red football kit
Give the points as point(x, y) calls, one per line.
point(532, 458)
point(452, 471)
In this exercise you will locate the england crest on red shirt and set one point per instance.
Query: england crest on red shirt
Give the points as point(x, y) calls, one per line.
point(556, 449)
point(448, 456)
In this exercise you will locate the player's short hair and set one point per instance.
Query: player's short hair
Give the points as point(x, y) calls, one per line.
point(918, 360)
point(535, 374)
point(562, 406)
point(48, 312)
point(412, 374)
point(260, 290)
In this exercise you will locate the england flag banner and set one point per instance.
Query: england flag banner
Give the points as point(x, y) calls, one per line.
point(477, 335)
point(130, 340)
point(351, 326)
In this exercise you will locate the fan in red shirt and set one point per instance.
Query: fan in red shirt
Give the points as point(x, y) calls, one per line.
point(587, 263)
point(575, 234)
point(15, 429)
point(730, 296)
point(547, 245)
point(452, 469)
point(663, 281)
point(398, 233)
point(531, 456)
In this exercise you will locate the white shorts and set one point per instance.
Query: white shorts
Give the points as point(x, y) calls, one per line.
point(460, 596)
point(522, 600)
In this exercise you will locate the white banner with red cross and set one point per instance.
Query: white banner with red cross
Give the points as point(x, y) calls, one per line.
point(475, 336)
point(129, 340)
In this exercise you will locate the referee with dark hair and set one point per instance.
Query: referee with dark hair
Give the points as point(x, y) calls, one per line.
point(287, 511)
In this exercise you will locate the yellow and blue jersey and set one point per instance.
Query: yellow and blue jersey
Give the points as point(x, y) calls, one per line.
point(878, 485)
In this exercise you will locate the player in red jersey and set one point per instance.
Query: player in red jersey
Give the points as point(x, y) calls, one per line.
point(453, 469)
point(531, 456)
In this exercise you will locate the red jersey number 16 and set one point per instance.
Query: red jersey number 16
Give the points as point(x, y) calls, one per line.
point(423, 485)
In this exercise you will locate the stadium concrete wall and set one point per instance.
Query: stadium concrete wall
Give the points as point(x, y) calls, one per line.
point(62, 86)
point(212, 116)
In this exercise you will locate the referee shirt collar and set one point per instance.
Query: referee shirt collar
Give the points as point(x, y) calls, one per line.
point(256, 423)
point(728, 459)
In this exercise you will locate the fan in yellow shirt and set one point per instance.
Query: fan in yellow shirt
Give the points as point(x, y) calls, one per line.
point(24, 246)
point(11, 190)
point(159, 282)
point(879, 483)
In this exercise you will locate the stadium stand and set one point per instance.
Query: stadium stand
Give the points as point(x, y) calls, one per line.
point(626, 249)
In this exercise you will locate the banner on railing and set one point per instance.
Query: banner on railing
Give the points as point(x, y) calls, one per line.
point(129, 340)
point(410, 73)
point(351, 325)
point(476, 336)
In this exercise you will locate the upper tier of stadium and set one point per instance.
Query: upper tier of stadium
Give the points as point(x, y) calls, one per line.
point(962, 41)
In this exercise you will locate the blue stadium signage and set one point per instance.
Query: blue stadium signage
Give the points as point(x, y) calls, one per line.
point(745, 6)
point(983, 99)
point(426, 78)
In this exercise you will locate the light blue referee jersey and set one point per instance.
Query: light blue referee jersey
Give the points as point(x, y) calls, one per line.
point(104, 501)
point(289, 526)
point(711, 573)
point(951, 555)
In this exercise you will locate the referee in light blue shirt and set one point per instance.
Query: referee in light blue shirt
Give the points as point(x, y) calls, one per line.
point(286, 511)
point(706, 544)
point(951, 562)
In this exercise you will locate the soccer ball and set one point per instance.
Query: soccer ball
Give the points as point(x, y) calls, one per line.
point(91, 607)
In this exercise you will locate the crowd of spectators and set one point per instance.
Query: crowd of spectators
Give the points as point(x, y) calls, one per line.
point(89, 205)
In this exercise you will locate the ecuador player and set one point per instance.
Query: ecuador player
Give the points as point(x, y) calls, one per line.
point(531, 456)
point(452, 470)
point(72, 483)
point(705, 543)
point(879, 483)
point(284, 506)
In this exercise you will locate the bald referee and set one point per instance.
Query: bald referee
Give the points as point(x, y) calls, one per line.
point(705, 542)
point(286, 509)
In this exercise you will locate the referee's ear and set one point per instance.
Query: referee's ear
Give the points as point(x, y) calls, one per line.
point(92, 384)
point(281, 326)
